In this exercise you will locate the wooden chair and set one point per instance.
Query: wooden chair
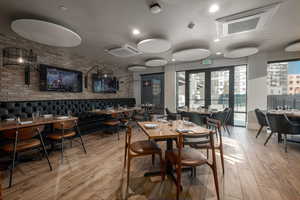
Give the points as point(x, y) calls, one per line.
point(140, 148)
point(113, 124)
point(65, 130)
point(198, 142)
point(190, 157)
point(23, 139)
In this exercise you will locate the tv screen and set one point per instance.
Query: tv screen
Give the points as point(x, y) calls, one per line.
point(59, 79)
point(105, 85)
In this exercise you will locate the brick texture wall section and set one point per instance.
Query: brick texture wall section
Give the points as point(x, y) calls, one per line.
point(13, 88)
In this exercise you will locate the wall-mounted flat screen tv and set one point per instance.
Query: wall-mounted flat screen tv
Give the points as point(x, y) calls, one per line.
point(59, 79)
point(105, 85)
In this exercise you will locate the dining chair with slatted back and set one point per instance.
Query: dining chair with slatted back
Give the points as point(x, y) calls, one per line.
point(189, 157)
point(65, 130)
point(23, 139)
point(138, 149)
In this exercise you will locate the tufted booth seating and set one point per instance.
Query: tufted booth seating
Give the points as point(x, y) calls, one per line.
point(87, 122)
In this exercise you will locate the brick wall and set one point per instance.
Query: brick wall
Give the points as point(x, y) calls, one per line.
point(12, 85)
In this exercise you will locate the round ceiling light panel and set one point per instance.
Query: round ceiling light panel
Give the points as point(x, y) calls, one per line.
point(154, 45)
point(241, 52)
point(157, 62)
point(46, 33)
point(293, 47)
point(137, 68)
point(191, 54)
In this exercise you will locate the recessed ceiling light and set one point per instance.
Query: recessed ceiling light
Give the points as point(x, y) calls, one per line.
point(136, 31)
point(219, 53)
point(217, 40)
point(214, 8)
point(173, 59)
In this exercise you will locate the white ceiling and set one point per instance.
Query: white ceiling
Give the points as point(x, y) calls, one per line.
point(106, 24)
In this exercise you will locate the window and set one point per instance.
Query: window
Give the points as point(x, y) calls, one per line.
point(180, 83)
point(283, 82)
point(281, 78)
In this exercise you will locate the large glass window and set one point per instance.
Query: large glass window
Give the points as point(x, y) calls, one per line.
point(180, 81)
point(196, 90)
point(240, 95)
point(283, 81)
point(215, 88)
point(219, 89)
point(284, 78)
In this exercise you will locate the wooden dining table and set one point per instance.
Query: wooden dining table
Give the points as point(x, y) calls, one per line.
point(114, 111)
point(168, 131)
point(9, 125)
point(197, 111)
point(288, 113)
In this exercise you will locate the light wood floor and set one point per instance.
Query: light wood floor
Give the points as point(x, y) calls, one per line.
point(252, 171)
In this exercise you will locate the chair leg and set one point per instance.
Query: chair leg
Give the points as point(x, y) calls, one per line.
point(14, 158)
point(178, 182)
point(45, 151)
point(261, 127)
point(267, 140)
point(128, 170)
point(162, 167)
point(227, 130)
point(125, 157)
point(153, 160)
point(62, 150)
point(285, 143)
point(81, 140)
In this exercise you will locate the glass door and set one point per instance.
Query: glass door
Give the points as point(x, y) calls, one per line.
point(240, 95)
point(219, 88)
point(196, 97)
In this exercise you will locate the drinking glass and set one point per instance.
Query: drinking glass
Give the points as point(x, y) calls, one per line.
point(69, 113)
point(178, 117)
point(33, 116)
point(37, 114)
point(185, 119)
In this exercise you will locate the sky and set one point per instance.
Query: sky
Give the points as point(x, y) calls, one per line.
point(294, 67)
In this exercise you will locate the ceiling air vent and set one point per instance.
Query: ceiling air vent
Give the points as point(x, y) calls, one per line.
point(124, 52)
point(246, 21)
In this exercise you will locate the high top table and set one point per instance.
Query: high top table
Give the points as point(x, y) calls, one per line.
point(165, 131)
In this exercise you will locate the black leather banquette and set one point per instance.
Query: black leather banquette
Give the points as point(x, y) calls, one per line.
point(87, 121)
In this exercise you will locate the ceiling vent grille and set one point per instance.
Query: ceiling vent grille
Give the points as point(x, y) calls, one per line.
point(124, 52)
point(250, 20)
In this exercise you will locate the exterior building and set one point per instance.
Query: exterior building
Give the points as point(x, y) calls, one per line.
point(294, 84)
point(277, 79)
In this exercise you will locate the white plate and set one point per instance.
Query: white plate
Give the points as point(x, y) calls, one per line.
point(48, 116)
point(26, 122)
point(151, 125)
point(62, 117)
point(10, 119)
point(188, 123)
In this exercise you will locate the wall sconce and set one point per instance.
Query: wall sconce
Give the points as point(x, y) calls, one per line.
point(17, 56)
point(101, 73)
